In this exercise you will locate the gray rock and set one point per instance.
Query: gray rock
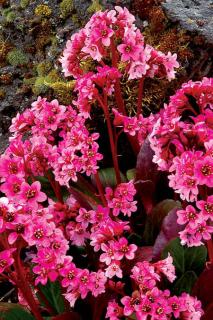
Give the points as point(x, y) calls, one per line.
point(193, 15)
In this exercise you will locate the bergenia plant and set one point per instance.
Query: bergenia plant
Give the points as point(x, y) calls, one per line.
point(73, 241)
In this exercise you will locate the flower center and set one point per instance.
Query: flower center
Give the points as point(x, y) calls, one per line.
point(13, 168)
point(70, 275)
point(84, 279)
point(38, 234)
point(191, 215)
point(103, 33)
point(30, 193)
point(3, 263)
point(16, 187)
point(208, 207)
point(20, 228)
point(146, 308)
point(128, 48)
point(206, 170)
point(159, 310)
point(175, 306)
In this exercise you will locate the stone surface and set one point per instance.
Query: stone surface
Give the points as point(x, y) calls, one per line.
point(193, 15)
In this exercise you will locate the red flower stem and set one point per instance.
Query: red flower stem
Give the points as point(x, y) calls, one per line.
point(56, 187)
point(24, 286)
point(210, 250)
point(100, 189)
point(118, 95)
point(140, 96)
point(111, 139)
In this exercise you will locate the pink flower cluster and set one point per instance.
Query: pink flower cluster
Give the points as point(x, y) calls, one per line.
point(114, 32)
point(197, 223)
point(138, 126)
point(50, 205)
point(76, 150)
point(150, 302)
point(182, 140)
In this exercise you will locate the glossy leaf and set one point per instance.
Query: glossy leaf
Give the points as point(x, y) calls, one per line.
point(185, 283)
point(53, 294)
point(108, 177)
point(16, 313)
point(131, 174)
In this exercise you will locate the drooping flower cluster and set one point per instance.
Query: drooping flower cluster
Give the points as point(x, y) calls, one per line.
point(114, 32)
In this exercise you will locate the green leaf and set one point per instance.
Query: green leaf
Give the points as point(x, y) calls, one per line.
point(108, 177)
point(195, 258)
point(185, 283)
point(16, 313)
point(186, 259)
point(131, 174)
point(177, 252)
point(53, 293)
point(188, 262)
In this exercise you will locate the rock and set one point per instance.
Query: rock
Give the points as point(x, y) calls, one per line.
point(193, 15)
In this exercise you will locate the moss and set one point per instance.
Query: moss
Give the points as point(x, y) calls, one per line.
point(9, 15)
point(43, 10)
point(16, 57)
point(39, 86)
point(75, 18)
point(2, 94)
point(95, 6)
point(24, 3)
point(43, 68)
point(5, 47)
point(66, 8)
point(42, 83)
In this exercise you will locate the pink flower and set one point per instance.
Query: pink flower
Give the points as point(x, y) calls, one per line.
point(177, 305)
point(189, 215)
point(114, 270)
point(85, 217)
point(129, 49)
point(10, 166)
point(31, 194)
point(123, 249)
point(130, 303)
point(166, 267)
point(12, 186)
point(103, 33)
point(206, 207)
point(84, 282)
point(77, 233)
point(97, 283)
point(69, 273)
point(114, 311)
point(6, 259)
point(204, 171)
point(109, 252)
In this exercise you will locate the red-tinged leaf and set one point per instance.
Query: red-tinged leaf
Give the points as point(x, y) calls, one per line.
point(67, 316)
point(147, 176)
point(203, 289)
point(169, 230)
point(155, 219)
